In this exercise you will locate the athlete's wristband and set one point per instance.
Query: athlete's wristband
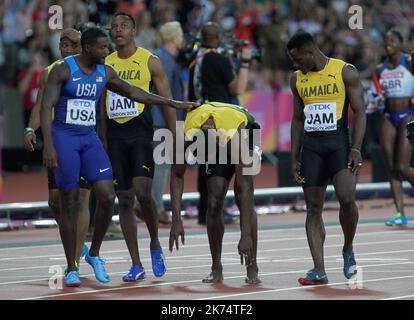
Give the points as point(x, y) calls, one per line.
point(245, 66)
point(28, 131)
point(356, 149)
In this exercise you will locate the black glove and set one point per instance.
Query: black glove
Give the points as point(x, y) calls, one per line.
point(410, 132)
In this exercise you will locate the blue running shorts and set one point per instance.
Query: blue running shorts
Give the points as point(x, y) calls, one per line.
point(79, 155)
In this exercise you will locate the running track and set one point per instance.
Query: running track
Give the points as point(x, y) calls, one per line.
point(386, 256)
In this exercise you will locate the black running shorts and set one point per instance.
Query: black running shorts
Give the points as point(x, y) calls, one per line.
point(130, 158)
point(322, 158)
point(227, 170)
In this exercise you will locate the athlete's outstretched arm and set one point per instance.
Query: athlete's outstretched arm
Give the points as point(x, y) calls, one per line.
point(50, 98)
point(160, 80)
point(354, 91)
point(123, 88)
point(34, 121)
point(176, 187)
point(296, 130)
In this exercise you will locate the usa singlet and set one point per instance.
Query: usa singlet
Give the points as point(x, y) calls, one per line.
point(76, 108)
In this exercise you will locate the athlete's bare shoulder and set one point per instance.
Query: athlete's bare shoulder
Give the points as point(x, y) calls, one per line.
point(350, 73)
point(293, 80)
point(60, 72)
point(154, 65)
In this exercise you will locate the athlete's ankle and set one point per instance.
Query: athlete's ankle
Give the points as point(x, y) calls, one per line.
point(321, 269)
point(93, 253)
point(155, 244)
point(217, 268)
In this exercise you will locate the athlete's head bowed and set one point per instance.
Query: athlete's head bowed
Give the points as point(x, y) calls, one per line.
point(303, 51)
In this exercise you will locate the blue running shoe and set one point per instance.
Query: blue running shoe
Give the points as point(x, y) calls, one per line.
point(314, 277)
point(84, 251)
point(158, 262)
point(397, 220)
point(98, 265)
point(135, 273)
point(72, 279)
point(349, 264)
point(77, 268)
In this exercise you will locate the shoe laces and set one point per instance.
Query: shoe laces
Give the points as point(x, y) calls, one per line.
point(132, 270)
point(349, 258)
point(101, 264)
point(71, 275)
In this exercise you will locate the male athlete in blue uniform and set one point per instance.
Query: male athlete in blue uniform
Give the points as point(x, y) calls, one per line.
point(72, 146)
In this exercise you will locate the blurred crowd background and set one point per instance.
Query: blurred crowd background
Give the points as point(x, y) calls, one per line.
point(27, 44)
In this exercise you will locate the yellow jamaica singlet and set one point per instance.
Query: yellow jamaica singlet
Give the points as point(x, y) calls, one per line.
point(128, 118)
point(51, 66)
point(227, 118)
point(324, 98)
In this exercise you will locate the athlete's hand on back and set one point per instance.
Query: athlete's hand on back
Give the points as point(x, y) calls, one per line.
point(30, 141)
point(177, 230)
point(49, 156)
point(183, 105)
point(354, 160)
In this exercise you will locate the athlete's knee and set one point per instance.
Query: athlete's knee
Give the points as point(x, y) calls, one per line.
point(126, 203)
point(106, 199)
point(54, 205)
point(313, 209)
point(145, 198)
point(244, 191)
point(347, 202)
point(215, 205)
point(402, 170)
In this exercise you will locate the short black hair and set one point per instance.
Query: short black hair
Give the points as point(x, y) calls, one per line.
point(81, 27)
point(396, 33)
point(126, 15)
point(300, 40)
point(91, 34)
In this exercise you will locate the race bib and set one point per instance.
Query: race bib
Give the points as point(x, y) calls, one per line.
point(320, 117)
point(81, 112)
point(393, 87)
point(120, 107)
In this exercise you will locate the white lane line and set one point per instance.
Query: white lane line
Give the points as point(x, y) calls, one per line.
point(225, 243)
point(399, 298)
point(299, 288)
point(207, 255)
point(198, 281)
point(227, 234)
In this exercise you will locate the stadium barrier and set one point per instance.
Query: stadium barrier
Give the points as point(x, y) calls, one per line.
point(34, 211)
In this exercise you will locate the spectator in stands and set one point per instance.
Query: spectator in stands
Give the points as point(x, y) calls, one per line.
point(29, 82)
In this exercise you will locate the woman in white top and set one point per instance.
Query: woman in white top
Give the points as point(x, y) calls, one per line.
point(394, 84)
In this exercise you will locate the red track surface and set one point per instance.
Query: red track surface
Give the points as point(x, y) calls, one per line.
point(386, 256)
